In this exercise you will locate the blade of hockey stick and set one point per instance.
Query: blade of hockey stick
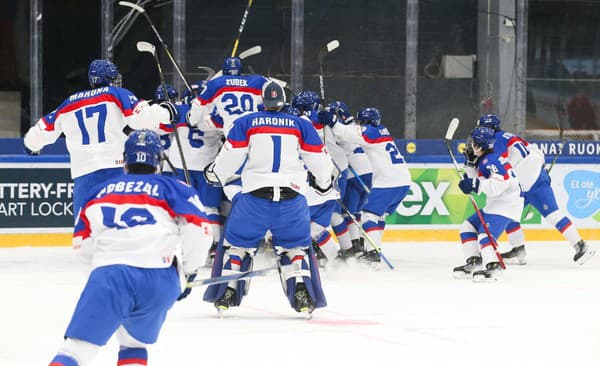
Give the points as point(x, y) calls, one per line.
point(452, 128)
point(143, 46)
point(135, 7)
point(329, 47)
point(233, 277)
point(250, 52)
point(209, 70)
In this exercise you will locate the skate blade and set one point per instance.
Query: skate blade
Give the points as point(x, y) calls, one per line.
point(220, 312)
point(462, 275)
point(515, 261)
point(588, 254)
point(484, 279)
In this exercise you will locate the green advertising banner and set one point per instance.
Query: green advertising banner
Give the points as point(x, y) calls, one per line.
point(435, 198)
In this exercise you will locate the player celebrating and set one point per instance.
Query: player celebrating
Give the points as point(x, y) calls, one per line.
point(228, 96)
point(486, 173)
point(93, 122)
point(273, 149)
point(528, 163)
point(146, 234)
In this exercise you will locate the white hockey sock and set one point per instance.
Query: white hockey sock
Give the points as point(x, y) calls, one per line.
point(565, 226)
point(341, 230)
point(372, 227)
point(516, 236)
point(354, 230)
point(327, 245)
point(488, 254)
point(468, 238)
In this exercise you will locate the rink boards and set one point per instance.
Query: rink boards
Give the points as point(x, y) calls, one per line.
point(36, 208)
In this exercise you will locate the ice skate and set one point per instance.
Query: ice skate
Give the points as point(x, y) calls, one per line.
point(466, 271)
point(491, 273)
point(225, 301)
point(370, 256)
point(321, 259)
point(304, 303)
point(211, 255)
point(357, 247)
point(583, 252)
point(515, 256)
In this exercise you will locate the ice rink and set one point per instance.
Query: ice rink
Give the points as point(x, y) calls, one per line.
point(544, 313)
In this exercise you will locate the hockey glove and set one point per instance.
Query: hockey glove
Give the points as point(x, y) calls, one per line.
point(188, 278)
point(342, 111)
point(210, 176)
point(470, 157)
point(171, 108)
point(327, 117)
point(30, 152)
point(321, 191)
point(468, 185)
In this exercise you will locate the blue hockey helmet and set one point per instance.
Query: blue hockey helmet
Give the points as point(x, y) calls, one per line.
point(159, 93)
point(188, 96)
point(143, 147)
point(482, 137)
point(343, 112)
point(103, 73)
point(306, 100)
point(290, 109)
point(369, 115)
point(489, 120)
point(232, 66)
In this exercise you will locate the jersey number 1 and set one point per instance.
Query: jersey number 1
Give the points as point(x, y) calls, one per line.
point(100, 109)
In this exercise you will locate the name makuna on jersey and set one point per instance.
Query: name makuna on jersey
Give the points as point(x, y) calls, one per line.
point(93, 123)
point(275, 147)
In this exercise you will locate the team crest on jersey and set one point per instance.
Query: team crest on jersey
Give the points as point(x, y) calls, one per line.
point(273, 93)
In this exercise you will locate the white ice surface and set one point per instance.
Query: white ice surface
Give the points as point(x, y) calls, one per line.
point(544, 313)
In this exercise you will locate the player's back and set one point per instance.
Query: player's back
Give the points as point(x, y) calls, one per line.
point(525, 158)
point(233, 96)
point(388, 164)
point(93, 123)
point(132, 220)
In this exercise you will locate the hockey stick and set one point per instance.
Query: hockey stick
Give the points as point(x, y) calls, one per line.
point(448, 139)
point(323, 52)
point(209, 70)
point(241, 28)
point(364, 233)
point(142, 11)
point(362, 182)
point(233, 277)
point(150, 48)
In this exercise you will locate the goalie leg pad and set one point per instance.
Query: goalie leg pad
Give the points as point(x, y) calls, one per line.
point(300, 265)
point(230, 260)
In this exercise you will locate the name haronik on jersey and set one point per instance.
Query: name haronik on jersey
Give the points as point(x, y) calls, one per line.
point(273, 121)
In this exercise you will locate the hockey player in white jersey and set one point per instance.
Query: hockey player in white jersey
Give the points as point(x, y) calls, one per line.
point(487, 174)
point(146, 235)
point(93, 122)
point(199, 148)
point(391, 178)
point(528, 163)
point(272, 149)
point(228, 96)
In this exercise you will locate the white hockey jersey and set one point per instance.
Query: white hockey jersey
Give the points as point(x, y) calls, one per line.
point(497, 181)
point(229, 97)
point(144, 221)
point(526, 159)
point(274, 149)
point(93, 123)
point(389, 167)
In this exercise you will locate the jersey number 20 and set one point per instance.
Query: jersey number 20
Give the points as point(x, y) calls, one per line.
point(235, 105)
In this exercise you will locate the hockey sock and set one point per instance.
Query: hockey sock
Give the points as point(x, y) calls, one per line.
point(215, 221)
point(133, 357)
point(340, 228)
point(565, 226)
point(327, 245)
point(468, 237)
point(371, 225)
point(488, 254)
point(516, 236)
point(232, 262)
point(63, 360)
point(352, 228)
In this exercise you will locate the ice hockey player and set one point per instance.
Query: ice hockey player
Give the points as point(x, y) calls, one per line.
point(391, 178)
point(528, 163)
point(93, 122)
point(146, 235)
point(199, 148)
point(324, 210)
point(228, 96)
point(486, 173)
point(165, 129)
point(273, 149)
